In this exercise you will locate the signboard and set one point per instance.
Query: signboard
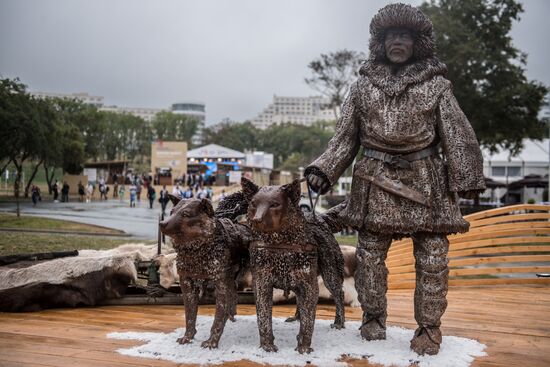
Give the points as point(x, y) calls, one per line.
point(235, 176)
point(91, 173)
point(172, 154)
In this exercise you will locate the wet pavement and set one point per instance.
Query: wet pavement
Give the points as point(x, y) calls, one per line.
point(139, 222)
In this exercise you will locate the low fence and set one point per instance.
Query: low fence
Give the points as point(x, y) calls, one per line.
point(507, 245)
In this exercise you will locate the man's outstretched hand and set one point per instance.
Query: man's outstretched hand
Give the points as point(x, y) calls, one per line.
point(318, 184)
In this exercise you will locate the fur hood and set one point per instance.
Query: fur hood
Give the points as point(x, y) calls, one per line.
point(424, 64)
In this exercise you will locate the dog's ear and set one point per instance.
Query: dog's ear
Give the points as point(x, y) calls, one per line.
point(249, 188)
point(293, 191)
point(207, 206)
point(174, 199)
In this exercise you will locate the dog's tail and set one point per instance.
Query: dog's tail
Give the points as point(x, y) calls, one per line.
point(332, 218)
point(232, 206)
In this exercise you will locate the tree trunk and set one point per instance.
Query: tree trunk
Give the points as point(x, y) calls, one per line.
point(32, 178)
point(16, 185)
point(49, 178)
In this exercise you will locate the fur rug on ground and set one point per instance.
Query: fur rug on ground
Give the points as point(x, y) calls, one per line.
point(241, 341)
point(82, 280)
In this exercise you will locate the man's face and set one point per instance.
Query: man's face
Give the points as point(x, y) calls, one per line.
point(399, 44)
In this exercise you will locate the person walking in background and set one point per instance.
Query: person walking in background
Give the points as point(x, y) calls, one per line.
point(55, 190)
point(163, 198)
point(35, 195)
point(209, 192)
point(151, 195)
point(65, 192)
point(89, 192)
point(81, 192)
point(115, 189)
point(121, 192)
point(222, 195)
point(188, 194)
point(133, 194)
point(201, 194)
point(138, 189)
point(176, 191)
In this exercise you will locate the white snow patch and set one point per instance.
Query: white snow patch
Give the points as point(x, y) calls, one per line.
point(240, 341)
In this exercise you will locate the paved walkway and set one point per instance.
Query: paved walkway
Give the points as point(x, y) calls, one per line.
point(139, 222)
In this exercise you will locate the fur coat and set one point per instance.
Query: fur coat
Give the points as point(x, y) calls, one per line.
point(400, 111)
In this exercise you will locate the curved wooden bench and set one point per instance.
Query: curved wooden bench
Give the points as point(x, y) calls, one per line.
point(507, 245)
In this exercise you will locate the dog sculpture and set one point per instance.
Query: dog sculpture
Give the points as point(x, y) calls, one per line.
point(288, 250)
point(208, 249)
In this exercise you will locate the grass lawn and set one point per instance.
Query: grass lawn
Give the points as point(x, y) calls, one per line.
point(12, 243)
point(23, 222)
point(347, 240)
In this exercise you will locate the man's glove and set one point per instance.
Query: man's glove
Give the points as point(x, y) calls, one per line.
point(318, 184)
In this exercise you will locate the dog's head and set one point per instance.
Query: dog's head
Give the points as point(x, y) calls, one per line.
point(271, 208)
point(190, 220)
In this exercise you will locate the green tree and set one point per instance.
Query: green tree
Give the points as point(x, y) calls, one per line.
point(27, 128)
point(333, 73)
point(68, 150)
point(238, 136)
point(172, 126)
point(487, 71)
point(303, 143)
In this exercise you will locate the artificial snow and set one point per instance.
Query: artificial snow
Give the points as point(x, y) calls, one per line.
point(240, 341)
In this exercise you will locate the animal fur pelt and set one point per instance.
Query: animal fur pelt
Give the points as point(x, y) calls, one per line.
point(84, 280)
point(67, 282)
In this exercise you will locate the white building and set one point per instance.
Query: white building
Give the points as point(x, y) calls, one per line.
point(533, 159)
point(214, 153)
point(83, 97)
point(145, 113)
point(501, 167)
point(259, 160)
point(298, 110)
point(192, 109)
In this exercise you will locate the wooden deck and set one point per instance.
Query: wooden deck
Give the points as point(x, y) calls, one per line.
point(513, 321)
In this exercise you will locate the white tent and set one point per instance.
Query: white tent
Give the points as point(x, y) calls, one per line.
point(213, 151)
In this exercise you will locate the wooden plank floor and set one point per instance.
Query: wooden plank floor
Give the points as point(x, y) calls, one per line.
point(513, 321)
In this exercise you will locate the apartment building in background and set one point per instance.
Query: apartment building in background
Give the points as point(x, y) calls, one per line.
point(298, 110)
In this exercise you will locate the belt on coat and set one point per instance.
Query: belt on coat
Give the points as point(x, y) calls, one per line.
point(400, 160)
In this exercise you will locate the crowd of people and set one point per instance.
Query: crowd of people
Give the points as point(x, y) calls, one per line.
point(133, 185)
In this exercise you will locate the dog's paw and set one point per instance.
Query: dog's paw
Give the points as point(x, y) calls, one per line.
point(292, 319)
point(338, 325)
point(185, 340)
point(303, 349)
point(269, 347)
point(210, 344)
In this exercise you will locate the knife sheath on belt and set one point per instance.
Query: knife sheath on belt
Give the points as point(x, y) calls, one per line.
point(396, 188)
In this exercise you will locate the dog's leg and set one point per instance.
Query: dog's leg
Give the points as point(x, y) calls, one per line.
point(331, 268)
point(225, 287)
point(263, 291)
point(190, 292)
point(335, 283)
point(306, 297)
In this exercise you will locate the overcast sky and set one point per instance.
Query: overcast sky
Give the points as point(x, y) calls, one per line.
point(231, 55)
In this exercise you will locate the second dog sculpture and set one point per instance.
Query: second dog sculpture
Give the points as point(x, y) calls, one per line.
point(287, 252)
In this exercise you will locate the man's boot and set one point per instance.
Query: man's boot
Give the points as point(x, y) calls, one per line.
point(371, 282)
point(430, 302)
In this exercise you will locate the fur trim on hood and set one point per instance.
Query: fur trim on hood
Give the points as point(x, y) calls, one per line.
point(401, 16)
point(423, 64)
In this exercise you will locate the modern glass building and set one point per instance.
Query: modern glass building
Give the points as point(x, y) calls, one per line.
point(192, 109)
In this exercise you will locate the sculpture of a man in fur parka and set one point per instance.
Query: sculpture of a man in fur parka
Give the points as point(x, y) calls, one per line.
point(420, 154)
